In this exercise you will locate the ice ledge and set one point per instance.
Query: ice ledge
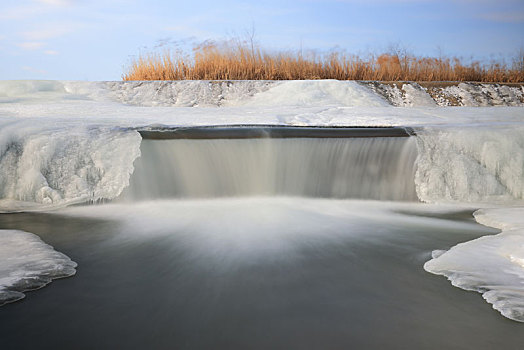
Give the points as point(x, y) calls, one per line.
point(27, 263)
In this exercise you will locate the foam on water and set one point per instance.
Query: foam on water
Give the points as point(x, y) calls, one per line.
point(27, 263)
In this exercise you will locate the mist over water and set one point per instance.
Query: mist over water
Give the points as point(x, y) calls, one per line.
point(259, 272)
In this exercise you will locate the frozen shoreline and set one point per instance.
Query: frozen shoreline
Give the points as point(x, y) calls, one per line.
point(28, 264)
point(490, 265)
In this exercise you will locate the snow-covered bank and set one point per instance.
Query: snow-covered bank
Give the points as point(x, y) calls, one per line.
point(197, 93)
point(27, 263)
point(491, 265)
point(406, 94)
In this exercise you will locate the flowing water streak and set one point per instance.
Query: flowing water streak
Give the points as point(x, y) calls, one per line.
point(367, 168)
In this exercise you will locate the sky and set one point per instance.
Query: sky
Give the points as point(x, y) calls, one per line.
point(97, 39)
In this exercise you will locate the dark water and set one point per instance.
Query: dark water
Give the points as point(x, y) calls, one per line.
point(260, 281)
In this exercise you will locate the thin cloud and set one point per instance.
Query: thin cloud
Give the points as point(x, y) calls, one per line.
point(21, 12)
point(31, 45)
point(190, 31)
point(55, 2)
point(48, 32)
point(51, 52)
point(34, 8)
point(34, 70)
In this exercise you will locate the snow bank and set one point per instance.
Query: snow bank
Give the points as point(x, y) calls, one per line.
point(27, 263)
point(249, 93)
point(404, 95)
point(491, 265)
point(190, 93)
point(480, 95)
point(45, 91)
point(310, 93)
point(317, 93)
point(197, 93)
point(443, 94)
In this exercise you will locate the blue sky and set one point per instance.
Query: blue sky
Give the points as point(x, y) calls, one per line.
point(95, 39)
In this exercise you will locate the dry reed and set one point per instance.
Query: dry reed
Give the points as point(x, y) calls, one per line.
point(241, 61)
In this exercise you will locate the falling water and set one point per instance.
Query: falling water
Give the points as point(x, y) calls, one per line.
point(366, 168)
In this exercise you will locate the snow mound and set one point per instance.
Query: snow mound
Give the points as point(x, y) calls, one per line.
point(187, 93)
point(318, 93)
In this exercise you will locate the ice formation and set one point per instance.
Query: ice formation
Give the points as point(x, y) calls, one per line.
point(58, 165)
point(471, 164)
point(491, 265)
point(27, 263)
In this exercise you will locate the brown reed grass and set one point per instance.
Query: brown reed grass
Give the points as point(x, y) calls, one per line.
point(241, 61)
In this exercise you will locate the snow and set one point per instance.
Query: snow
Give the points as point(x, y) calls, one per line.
point(485, 94)
point(316, 93)
point(27, 263)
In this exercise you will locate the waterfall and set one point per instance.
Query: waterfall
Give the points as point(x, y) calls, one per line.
point(366, 168)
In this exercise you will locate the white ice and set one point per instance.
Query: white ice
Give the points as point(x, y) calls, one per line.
point(53, 165)
point(27, 263)
point(491, 265)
